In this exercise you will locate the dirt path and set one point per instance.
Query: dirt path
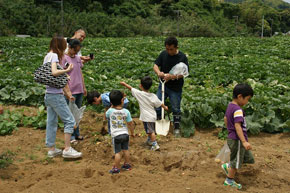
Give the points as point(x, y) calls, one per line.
point(182, 165)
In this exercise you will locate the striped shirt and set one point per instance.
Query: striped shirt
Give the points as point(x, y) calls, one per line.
point(235, 114)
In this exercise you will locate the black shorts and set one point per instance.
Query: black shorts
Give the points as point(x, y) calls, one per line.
point(120, 142)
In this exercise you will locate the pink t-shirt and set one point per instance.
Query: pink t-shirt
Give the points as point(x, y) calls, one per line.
point(76, 83)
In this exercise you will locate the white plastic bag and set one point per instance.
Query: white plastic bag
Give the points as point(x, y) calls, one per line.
point(224, 155)
point(180, 69)
point(76, 112)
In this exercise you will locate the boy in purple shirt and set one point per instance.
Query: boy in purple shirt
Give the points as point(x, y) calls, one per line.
point(237, 137)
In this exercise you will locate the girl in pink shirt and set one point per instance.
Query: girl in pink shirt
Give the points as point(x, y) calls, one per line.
point(76, 83)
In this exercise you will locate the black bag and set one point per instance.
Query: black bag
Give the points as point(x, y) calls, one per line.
point(44, 76)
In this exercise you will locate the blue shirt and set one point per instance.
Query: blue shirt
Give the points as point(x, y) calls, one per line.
point(106, 100)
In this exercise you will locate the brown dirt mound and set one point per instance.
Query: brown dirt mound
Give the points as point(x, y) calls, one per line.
point(182, 165)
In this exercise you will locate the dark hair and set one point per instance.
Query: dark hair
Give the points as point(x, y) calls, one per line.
point(146, 82)
point(171, 41)
point(58, 45)
point(116, 97)
point(73, 43)
point(243, 89)
point(91, 95)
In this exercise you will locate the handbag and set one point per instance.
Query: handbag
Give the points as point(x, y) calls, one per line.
point(43, 75)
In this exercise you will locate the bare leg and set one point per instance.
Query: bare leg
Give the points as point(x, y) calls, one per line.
point(232, 172)
point(152, 136)
point(127, 156)
point(67, 141)
point(117, 160)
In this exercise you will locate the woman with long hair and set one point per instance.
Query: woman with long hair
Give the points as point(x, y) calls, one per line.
point(56, 103)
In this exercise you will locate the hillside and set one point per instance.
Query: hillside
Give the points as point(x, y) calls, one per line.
point(129, 18)
point(278, 4)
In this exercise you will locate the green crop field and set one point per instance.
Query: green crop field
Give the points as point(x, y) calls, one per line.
point(216, 65)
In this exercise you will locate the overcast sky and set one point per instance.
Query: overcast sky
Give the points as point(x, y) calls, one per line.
point(288, 1)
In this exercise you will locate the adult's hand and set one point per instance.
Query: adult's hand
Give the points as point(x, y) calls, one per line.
point(69, 68)
point(167, 77)
point(85, 92)
point(86, 58)
point(161, 75)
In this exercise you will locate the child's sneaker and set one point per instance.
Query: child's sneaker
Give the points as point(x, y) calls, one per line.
point(126, 167)
point(225, 167)
point(155, 147)
point(114, 170)
point(233, 184)
point(149, 143)
point(71, 153)
point(54, 153)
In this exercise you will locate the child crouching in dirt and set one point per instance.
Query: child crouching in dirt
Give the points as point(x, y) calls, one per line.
point(94, 97)
point(237, 137)
point(120, 120)
point(147, 102)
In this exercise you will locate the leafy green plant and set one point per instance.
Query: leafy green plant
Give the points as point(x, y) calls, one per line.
point(6, 158)
point(223, 134)
point(38, 121)
point(187, 124)
point(216, 66)
point(7, 126)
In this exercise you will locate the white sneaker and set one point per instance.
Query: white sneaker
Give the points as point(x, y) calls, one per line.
point(71, 153)
point(176, 133)
point(155, 147)
point(54, 153)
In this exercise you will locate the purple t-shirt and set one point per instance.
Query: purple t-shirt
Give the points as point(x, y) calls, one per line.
point(235, 114)
point(76, 79)
point(52, 57)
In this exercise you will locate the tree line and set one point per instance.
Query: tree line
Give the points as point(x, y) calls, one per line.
point(126, 18)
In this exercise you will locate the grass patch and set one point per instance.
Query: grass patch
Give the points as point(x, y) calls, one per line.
point(6, 158)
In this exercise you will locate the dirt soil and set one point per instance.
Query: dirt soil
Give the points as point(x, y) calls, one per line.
point(183, 165)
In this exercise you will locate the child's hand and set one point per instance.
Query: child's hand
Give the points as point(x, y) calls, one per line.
point(247, 145)
point(123, 83)
point(166, 108)
point(104, 131)
point(71, 99)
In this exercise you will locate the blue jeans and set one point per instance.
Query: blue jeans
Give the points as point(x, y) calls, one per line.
point(78, 102)
point(56, 106)
point(175, 100)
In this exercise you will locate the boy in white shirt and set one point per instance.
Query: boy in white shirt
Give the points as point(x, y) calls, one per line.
point(147, 102)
